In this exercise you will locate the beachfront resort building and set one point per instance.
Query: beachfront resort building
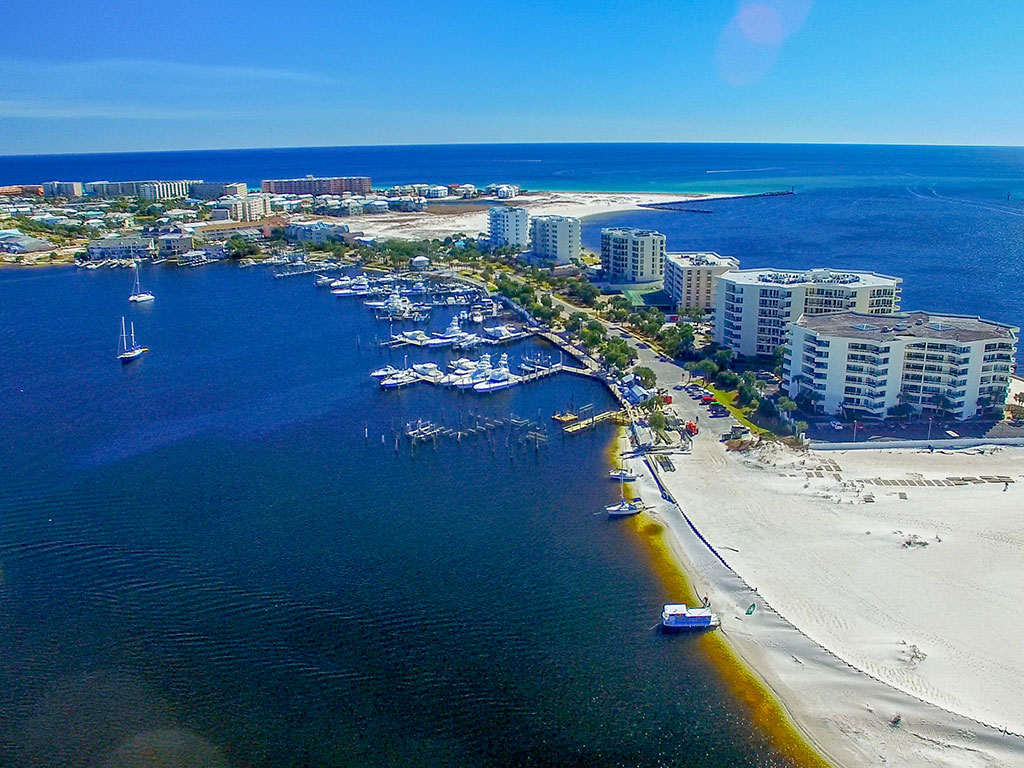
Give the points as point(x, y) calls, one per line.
point(508, 226)
point(632, 255)
point(318, 185)
point(864, 365)
point(121, 248)
point(555, 238)
point(211, 190)
point(165, 190)
point(62, 188)
point(690, 277)
point(753, 308)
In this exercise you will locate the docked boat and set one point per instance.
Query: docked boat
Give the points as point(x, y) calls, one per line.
point(500, 378)
point(480, 374)
point(412, 337)
point(139, 295)
point(385, 372)
point(400, 379)
point(128, 349)
point(623, 475)
point(323, 281)
point(450, 335)
point(677, 616)
point(427, 369)
point(499, 333)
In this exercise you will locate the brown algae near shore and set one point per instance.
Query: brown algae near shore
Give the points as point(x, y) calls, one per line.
point(753, 694)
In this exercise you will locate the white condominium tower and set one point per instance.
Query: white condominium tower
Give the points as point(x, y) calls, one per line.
point(632, 255)
point(508, 226)
point(864, 365)
point(754, 307)
point(689, 277)
point(555, 238)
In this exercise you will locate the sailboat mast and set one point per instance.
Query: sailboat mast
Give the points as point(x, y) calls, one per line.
point(133, 334)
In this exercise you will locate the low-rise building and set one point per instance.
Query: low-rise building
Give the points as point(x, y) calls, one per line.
point(173, 245)
point(245, 208)
point(318, 232)
point(16, 242)
point(121, 248)
point(555, 238)
point(754, 307)
point(865, 365)
point(690, 276)
point(435, 191)
point(632, 255)
point(508, 226)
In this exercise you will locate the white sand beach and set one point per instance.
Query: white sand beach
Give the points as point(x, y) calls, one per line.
point(900, 589)
point(436, 223)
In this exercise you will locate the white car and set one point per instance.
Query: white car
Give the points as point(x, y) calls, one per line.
point(835, 425)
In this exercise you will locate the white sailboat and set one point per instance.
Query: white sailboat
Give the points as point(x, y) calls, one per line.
point(139, 295)
point(127, 348)
point(625, 507)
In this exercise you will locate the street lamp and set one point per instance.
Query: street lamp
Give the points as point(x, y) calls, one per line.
point(929, 427)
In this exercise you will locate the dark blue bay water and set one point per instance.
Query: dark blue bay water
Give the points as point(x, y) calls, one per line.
point(202, 552)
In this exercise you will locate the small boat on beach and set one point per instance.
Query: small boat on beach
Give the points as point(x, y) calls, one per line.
point(128, 349)
point(677, 616)
point(623, 475)
point(625, 507)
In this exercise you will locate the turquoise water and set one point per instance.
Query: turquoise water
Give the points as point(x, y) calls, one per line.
point(204, 552)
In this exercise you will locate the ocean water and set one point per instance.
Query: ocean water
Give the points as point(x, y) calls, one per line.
point(222, 552)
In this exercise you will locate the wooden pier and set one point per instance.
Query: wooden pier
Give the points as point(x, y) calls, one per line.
point(582, 424)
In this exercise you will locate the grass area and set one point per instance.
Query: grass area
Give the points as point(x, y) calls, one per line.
point(728, 399)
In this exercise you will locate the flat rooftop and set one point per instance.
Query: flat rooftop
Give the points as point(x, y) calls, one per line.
point(920, 325)
point(702, 259)
point(815, 277)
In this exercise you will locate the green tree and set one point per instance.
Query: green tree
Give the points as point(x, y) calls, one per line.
point(647, 377)
point(657, 421)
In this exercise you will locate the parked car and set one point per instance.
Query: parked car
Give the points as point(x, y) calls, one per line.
point(836, 425)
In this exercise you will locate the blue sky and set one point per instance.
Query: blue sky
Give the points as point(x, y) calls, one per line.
point(94, 76)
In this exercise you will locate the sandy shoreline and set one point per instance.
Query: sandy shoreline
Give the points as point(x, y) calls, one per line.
point(853, 629)
point(431, 224)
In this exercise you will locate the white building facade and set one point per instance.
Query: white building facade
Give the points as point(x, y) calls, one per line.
point(632, 255)
point(508, 226)
point(246, 208)
point(555, 238)
point(166, 190)
point(690, 276)
point(754, 307)
point(864, 365)
point(121, 248)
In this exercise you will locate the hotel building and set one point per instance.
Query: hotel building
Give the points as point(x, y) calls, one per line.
point(754, 307)
point(318, 185)
point(508, 226)
point(62, 188)
point(632, 255)
point(689, 277)
point(555, 238)
point(211, 190)
point(863, 364)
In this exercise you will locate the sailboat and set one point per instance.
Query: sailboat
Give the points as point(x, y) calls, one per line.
point(625, 507)
point(138, 294)
point(127, 352)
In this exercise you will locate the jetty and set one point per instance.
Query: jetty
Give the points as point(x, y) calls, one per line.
point(686, 206)
point(580, 425)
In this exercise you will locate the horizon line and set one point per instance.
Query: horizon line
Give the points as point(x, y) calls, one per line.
point(512, 143)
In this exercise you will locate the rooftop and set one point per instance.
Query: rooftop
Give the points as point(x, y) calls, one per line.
point(701, 259)
point(630, 232)
point(920, 325)
point(815, 277)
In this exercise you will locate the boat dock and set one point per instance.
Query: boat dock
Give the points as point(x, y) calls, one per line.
point(308, 269)
point(524, 430)
point(586, 423)
point(482, 340)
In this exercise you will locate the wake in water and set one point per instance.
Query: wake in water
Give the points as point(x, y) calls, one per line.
point(961, 201)
point(746, 170)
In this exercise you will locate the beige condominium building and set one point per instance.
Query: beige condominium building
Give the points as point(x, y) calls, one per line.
point(690, 275)
point(864, 365)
